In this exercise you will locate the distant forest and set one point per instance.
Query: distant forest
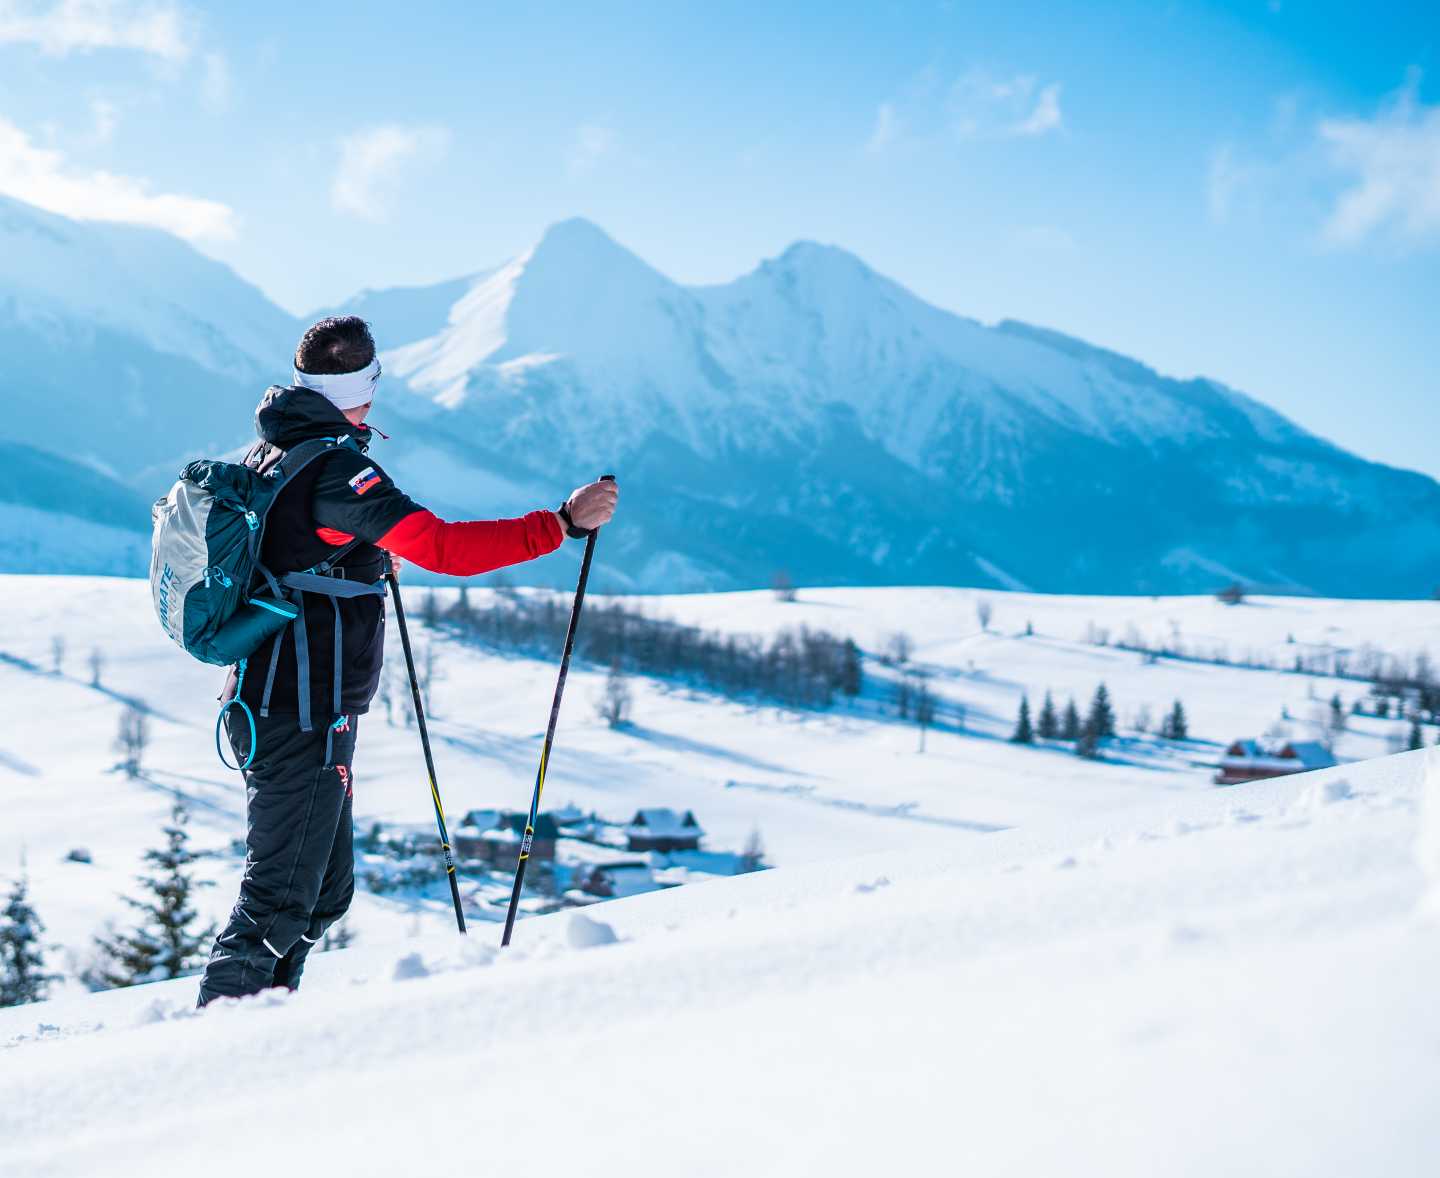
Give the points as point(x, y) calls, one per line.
point(800, 667)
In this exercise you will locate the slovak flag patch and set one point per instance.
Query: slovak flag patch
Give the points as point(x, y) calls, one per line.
point(363, 481)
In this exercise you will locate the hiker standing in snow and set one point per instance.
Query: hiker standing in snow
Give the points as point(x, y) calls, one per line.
point(342, 508)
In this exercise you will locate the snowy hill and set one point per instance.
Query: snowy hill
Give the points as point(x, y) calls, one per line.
point(1199, 982)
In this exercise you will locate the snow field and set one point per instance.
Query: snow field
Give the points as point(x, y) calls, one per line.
point(1235, 982)
point(818, 787)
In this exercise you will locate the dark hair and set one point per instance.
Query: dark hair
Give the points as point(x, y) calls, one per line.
point(335, 345)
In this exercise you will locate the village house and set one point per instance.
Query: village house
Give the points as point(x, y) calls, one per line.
point(617, 878)
point(663, 830)
point(1249, 760)
point(499, 844)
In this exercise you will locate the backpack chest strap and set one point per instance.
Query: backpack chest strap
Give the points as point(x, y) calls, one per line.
point(333, 588)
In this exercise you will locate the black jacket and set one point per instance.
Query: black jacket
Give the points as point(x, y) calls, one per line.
point(344, 491)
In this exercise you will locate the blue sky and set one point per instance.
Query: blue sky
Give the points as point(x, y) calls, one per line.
point(1249, 191)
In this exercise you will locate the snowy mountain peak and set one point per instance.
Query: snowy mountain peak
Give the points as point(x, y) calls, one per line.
point(582, 245)
point(828, 383)
point(813, 256)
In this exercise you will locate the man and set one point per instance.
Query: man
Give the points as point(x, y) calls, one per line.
point(341, 508)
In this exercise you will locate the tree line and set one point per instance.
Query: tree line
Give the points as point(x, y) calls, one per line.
point(799, 667)
point(1087, 732)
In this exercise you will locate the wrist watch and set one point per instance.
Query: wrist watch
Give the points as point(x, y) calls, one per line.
point(571, 530)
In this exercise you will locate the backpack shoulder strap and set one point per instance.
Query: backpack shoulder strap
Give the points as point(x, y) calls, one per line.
point(301, 456)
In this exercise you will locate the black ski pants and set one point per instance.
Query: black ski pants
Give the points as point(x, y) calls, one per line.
point(299, 853)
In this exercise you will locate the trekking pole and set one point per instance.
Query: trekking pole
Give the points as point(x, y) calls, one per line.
point(425, 744)
point(550, 729)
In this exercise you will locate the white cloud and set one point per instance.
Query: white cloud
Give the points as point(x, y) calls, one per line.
point(41, 176)
point(82, 26)
point(1224, 179)
point(1393, 160)
point(1045, 116)
point(887, 128)
point(593, 142)
point(215, 80)
point(985, 107)
point(373, 162)
point(107, 118)
point(978, 105)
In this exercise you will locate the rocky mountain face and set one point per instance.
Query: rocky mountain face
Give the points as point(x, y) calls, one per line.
point(817, 417)
point(811, 416)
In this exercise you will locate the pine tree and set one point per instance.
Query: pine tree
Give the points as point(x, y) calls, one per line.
point(1087, 745)
point(1417, 734)
point(1101, 718)
point(1176, 725)
point(1024, 733)
point(164, 946)
point(338, 936)
point(22, 974)
point(1048, 727)
point(1070, 725)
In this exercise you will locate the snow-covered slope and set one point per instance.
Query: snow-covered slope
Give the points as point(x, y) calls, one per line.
point(816, 416)
point(817, 786)
point(1236, 983)
point(124, 346)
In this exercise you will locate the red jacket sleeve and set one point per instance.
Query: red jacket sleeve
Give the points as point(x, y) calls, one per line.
point(474, 546)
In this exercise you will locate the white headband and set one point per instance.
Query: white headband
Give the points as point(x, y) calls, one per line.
point(344, 390)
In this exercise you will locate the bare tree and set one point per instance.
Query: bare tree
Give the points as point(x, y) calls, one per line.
point(783, 586)
point(57, 653)
point(615, 701)
point(904, 696)
point(899, 648)
point(752, 858)
point(984, 611)
point(428, 673)
point(924, 707)
point(132, 739)
point(97, 666)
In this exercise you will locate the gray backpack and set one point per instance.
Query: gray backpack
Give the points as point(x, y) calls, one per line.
point(212, 594)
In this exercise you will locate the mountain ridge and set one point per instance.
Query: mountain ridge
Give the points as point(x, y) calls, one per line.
point(812, 416)
point(804, 377)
